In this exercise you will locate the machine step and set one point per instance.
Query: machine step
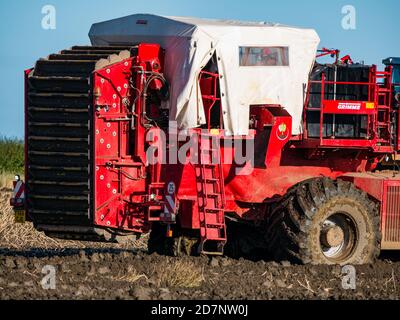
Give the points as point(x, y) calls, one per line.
point(211, 197)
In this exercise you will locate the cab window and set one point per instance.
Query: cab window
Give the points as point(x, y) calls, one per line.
point(264, 56)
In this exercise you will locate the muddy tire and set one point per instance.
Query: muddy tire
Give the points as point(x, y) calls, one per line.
point(322, 221)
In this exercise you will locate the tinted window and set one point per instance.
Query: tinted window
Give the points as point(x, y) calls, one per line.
point(396, 74)
point(264, 56)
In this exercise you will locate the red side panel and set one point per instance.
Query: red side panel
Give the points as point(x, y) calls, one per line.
point(349, 107)
point(391, 216)
point(385, 188)
point(116, 172)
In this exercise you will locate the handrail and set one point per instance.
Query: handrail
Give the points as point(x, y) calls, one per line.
point(321, 121)
point(323, 82)
point(345, 82)
point(374, 88)
point(213, 97)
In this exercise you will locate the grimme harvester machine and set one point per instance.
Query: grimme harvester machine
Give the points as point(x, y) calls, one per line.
point(192, 129)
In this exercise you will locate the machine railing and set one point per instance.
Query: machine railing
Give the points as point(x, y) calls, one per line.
point(376, 107)
point(209, 91)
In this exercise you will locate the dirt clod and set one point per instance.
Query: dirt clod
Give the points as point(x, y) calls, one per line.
point(141, 293)
point(286, 264)
point(280, 283)
point(104, 270)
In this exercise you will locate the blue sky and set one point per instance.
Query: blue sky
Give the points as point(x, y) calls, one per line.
point(23, 40)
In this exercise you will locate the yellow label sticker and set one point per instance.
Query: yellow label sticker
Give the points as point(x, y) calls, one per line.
point(370, 105)
point(214, 132)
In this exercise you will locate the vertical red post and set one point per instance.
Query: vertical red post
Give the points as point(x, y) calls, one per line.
point(321, 128)
point(398, 117)
point(27, 72)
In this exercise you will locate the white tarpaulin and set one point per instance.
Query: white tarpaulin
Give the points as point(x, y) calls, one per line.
point(248, 79)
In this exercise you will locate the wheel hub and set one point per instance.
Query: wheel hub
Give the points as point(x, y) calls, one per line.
point(333, 237)
point(338, 237)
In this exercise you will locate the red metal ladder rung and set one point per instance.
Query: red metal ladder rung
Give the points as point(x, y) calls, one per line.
point(210, 176)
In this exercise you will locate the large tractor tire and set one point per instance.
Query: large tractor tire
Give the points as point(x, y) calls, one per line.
point(322, 221)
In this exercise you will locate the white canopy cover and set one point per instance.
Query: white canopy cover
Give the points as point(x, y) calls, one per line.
point(243, 51)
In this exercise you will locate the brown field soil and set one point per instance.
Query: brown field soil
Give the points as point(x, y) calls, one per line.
point(93, 271)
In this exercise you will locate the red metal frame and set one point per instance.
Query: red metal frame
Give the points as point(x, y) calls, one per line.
point(390, 215)
point(332, 52)
point(26, 189)
point(398, 132)
point(122, 191)
point(370, 108)
point(208, 84)
point(384, 188)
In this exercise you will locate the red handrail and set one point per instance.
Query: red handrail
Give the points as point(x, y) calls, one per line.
point(213, 97)
point(374, 88)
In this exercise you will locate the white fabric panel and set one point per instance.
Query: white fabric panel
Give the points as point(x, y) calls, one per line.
point(190, 43)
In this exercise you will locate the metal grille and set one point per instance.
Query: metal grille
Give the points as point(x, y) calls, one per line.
point(392, 216)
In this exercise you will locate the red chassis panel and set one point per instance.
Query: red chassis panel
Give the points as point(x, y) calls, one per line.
point(391, 215)
point(385, 188)
point(349, 107)
point(120, 184)
point(113, 163)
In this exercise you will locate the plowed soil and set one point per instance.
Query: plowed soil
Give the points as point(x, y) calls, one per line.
point(99, 274)
point(89, 271)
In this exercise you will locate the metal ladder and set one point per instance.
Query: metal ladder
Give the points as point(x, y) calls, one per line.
point(383, 99)
point(211, 196)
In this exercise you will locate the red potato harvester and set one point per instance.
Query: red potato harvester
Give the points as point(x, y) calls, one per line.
point(196, 130)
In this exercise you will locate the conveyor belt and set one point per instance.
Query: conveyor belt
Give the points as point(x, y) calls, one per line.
point(59, 140)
